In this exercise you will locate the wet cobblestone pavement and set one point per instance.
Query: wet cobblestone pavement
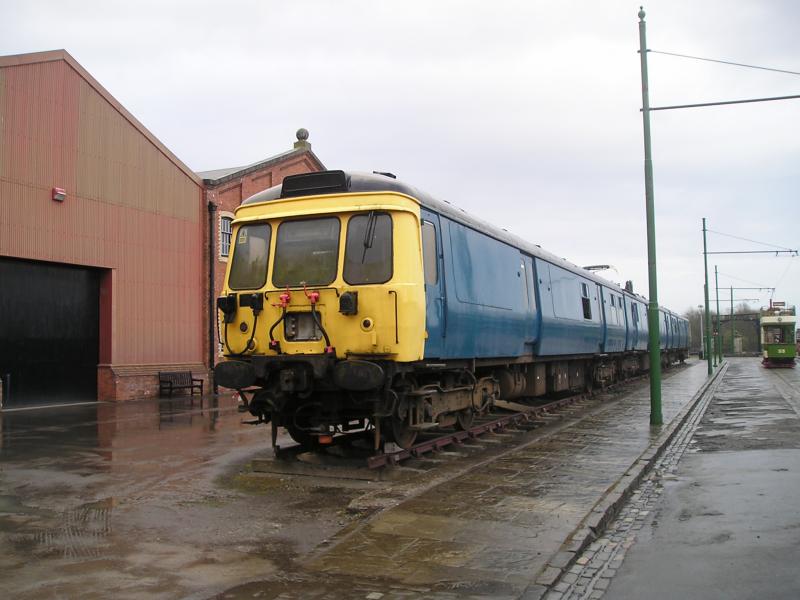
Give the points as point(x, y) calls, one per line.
point(157, 500)
point(717, 517)
point(489, 533)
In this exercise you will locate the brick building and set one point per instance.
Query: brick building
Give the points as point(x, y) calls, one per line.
point(106, 240)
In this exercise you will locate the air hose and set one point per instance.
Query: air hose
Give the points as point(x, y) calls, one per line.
point(250, 341)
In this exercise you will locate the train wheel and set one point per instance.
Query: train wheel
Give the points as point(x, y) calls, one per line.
point(304, 438)
point(398, 431)
point(464, 419)
point(298, 428)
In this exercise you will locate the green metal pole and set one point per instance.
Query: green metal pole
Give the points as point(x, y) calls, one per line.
point(718, 343)
point(733, 342)
point(654, 341)
point(705, 291)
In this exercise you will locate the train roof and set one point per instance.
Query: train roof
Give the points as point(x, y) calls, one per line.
point(338, 182)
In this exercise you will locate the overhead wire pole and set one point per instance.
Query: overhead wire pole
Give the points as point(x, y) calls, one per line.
point(705, 290)
point(718, 348)
point(654, 341)
point(654, 338)
point(733, 329)
point(717, 345)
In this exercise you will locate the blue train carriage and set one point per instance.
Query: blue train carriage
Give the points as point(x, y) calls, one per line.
point(355, 300)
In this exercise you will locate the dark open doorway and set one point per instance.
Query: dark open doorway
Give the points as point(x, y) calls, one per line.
point(49, 332)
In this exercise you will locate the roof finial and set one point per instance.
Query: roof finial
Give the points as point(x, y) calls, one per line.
point(302, 138)
point(641, 13)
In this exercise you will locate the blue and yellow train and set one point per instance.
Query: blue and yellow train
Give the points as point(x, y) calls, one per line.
point(354, 300)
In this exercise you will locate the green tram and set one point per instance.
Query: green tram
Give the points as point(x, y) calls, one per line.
point(778, 323)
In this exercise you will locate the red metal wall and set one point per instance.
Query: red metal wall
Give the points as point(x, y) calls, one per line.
point(131, 207)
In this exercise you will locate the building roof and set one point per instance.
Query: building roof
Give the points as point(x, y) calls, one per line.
point(216, 177)
point(17, 60)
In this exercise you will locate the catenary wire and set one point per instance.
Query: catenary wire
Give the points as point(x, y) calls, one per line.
point(736, 237)
point(725, 62)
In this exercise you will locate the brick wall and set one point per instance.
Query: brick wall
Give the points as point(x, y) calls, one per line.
point(127, 382)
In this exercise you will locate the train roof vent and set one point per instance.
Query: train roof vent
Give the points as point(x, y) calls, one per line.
point(312, 184)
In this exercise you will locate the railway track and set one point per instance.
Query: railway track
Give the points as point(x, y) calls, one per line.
point(514, 416)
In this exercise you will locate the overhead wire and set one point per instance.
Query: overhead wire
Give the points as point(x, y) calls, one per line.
point(761, 68)
point(744, 239)
point(744, 280)
point(725, 62)
point(785, 271)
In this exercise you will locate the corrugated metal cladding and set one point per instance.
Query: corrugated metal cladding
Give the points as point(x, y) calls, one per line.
point(129, 208)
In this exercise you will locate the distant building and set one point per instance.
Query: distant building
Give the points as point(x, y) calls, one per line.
point(105, 240)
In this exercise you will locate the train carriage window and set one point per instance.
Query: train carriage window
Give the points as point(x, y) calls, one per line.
point(613, 312)
point(587, 306)
point(368, 251)
point(306, 252)
point(429, 253)
point(250, 256)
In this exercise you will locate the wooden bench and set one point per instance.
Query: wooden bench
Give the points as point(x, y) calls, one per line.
point(169, 381)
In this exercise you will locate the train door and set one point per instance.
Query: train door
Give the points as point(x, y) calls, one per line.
point(532, 321)
point(435, 298)
point(603, 294)
point(635, 324)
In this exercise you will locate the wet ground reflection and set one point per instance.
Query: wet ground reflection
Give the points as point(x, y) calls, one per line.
point(115, 431)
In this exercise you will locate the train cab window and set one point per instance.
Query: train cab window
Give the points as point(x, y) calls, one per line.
point(429, 253)
point(635, 313)
point(250, 256)
point(306, 252)
point(587, 306)
point(368, 251)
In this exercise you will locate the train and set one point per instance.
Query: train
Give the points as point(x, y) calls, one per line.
point(355, 301)
point(778, 342)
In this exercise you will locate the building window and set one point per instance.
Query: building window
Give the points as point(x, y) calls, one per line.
point(225, 229)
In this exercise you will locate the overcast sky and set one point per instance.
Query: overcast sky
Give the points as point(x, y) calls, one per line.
point(525, 113)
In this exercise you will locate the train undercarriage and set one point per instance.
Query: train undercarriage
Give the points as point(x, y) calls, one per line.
point(316, 397)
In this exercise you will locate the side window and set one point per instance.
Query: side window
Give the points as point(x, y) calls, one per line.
point(635, 313)
point(225, 229)
point(429, 254)
point(587, 306)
